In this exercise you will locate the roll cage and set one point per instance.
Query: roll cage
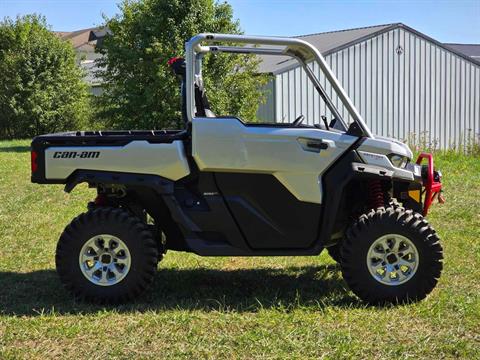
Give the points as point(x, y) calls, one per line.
point(301, 50)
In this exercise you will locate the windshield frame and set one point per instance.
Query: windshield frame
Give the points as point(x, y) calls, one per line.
point(302, 51)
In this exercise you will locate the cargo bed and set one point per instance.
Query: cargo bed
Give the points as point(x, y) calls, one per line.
point(118, 137)
point(56, 156)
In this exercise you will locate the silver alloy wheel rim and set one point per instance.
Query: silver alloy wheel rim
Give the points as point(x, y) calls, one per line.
point(104, 260)
point(392, 259)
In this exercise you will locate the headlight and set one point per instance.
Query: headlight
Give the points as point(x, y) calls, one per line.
point(398, 161)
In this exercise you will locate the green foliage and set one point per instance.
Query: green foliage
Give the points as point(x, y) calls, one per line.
point(41, 87)
point(467, 143)
point(229, 307)
point(140, 90)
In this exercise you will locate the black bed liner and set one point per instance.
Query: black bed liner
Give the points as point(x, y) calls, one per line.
point(111, 137)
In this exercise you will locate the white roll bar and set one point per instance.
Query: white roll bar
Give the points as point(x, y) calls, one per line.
point(299, 49)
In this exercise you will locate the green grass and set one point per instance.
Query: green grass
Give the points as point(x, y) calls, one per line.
point(235, 308)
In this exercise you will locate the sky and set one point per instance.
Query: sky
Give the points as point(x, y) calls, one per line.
point(456, 21)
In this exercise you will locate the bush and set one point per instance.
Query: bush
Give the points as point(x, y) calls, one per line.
point(41, 87)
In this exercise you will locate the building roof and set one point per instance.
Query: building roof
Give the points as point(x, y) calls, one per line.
point(472, 50)
point(333, 41)
point(326, 43)
point(78, 38)
point(84, 42)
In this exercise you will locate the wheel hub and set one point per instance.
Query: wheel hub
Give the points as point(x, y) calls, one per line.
point(104, 260)
point(392, 259)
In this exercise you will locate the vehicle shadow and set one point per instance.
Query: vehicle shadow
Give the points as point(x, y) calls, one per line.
point(14, 149)
point(243, 290)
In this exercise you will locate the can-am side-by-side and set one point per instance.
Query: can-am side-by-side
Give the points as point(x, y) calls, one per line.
point(225, 187)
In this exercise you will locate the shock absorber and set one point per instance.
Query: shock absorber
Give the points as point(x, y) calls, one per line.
point(375, 194)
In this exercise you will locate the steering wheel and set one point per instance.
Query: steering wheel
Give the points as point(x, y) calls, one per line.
point(298, 120)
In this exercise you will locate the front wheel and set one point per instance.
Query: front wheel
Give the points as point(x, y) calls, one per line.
point(391, 256)
point(106, 255)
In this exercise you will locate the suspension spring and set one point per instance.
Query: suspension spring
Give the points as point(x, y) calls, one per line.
point(375, 194)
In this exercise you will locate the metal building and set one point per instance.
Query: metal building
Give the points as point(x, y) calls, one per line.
point(405, 84)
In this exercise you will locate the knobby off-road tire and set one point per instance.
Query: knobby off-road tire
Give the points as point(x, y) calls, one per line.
point(334, 252)
point(378, 282)
point(106, 255)
point(393, 203)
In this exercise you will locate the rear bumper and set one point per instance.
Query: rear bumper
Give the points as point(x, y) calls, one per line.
point(432, 186)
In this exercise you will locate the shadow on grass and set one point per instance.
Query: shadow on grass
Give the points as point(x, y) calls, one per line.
point(244, 290)
point(14, 149)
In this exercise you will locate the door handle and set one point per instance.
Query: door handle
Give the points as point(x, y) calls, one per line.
point(317, 145)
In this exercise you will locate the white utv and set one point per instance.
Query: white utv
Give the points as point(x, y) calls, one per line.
point(224, 187)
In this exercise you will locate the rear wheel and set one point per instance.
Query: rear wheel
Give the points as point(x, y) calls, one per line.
point(334, 252)
point(391, 255)
point(106, 255)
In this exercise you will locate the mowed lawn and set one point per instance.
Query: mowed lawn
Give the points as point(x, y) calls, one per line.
point(233, 308)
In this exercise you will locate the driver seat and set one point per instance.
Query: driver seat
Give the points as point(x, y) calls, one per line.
point(202, 105)
point(201, 101)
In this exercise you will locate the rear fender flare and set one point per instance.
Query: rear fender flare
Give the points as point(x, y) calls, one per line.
point(160, 185)
point(155, 192)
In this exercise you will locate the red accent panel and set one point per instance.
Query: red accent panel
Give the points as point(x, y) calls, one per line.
point(432, 188)
point(33, 162)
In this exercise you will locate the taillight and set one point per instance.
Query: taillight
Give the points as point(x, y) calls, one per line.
point(34, 161)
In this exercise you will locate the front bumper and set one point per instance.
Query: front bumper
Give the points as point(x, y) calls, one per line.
point(432, 186)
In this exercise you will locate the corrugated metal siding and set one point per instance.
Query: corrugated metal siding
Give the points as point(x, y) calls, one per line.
point(403, 85)
point(266, 111)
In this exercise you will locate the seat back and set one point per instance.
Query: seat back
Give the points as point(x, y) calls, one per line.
point(202, 106)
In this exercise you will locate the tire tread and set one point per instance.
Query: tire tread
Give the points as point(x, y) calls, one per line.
point(417, 225)
point(106, 216)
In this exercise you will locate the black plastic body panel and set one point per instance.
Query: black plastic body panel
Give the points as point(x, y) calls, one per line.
point(159, 184)
point(269, 215)
point(400, 191)
point(334, 182)
point(200, 200)
point(154, 193)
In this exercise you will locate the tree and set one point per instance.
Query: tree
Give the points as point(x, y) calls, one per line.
point(140, 90)
point(41, 87)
